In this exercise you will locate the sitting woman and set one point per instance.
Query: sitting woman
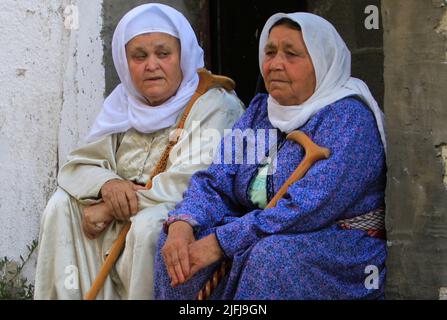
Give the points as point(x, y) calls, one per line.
point(156, 55)
point(325, 238)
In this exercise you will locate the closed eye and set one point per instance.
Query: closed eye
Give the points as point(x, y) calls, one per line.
point(270, 53)
point(139, 57)
point(270, 49)
point(163, 54)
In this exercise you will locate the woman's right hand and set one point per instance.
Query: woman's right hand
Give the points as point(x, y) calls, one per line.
point(175, 252)
point(121, 198)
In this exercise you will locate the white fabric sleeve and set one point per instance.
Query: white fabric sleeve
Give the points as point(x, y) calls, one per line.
point(88, 168)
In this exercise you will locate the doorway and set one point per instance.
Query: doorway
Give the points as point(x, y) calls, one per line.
point(235, 29)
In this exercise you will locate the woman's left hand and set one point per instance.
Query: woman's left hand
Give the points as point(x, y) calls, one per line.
point(95, 219)
point(203, 253)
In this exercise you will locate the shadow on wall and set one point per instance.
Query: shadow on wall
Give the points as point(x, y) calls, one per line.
point(235, 29)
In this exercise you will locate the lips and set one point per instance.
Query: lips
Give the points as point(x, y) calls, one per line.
point(278, 81)
point(153, 79)
point(278, 77)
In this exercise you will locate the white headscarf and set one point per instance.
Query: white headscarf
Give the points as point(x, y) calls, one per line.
point(332, 62)
point(125, 107)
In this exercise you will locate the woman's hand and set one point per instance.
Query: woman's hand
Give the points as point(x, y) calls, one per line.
point(98, 213)
point(120, 196)
point(175, 252)
point(203, 253)
point(95, 220)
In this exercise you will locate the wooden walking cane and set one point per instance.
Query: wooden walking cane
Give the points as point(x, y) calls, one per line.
point(313, 153)
point(207, 81)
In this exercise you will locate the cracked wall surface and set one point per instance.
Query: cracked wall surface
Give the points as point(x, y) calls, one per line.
point(442, 154)
point(415, 46)
point(52, 82)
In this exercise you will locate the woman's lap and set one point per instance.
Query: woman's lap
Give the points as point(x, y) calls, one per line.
point(328, 264)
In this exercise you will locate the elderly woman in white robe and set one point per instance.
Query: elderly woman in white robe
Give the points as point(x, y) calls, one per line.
point(156, 55)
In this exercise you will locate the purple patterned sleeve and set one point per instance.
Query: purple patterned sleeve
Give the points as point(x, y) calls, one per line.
point(180, 217)
point(210, 194)
point(329, 187)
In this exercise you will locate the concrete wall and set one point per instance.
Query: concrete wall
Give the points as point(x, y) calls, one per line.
point(415, 34)
point(405, 65)
point(52, 82)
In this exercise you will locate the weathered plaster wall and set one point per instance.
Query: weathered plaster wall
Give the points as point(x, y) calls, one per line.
point(84, 77)
point(52, 83)
point(415, 96)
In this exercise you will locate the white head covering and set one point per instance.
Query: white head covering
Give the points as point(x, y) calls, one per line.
point(125, 107)
point(332, 62)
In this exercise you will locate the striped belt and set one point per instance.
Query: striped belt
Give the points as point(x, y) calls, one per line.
point(372, 222)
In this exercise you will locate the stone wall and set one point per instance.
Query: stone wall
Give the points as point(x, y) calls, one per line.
point(405, 65)
point(415, 77)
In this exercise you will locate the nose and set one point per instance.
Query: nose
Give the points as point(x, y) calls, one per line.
point(152, 63)
point(277, 62)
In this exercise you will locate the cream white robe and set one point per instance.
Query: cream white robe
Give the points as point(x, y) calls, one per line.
point(68, 262)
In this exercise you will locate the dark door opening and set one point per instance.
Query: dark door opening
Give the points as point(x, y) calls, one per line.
point(235, 29)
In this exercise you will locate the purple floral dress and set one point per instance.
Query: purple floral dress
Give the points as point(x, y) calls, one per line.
point(296, 250)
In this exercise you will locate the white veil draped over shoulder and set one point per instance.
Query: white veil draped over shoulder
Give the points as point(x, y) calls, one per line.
point(332, 62)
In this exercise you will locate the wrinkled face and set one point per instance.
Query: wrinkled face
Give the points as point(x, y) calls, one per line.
point(154, 65)
point(289, 74)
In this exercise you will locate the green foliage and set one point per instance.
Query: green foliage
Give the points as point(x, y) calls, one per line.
point(13, 286)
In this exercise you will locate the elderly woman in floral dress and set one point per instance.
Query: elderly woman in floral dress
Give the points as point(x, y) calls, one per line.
point(325, 238)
